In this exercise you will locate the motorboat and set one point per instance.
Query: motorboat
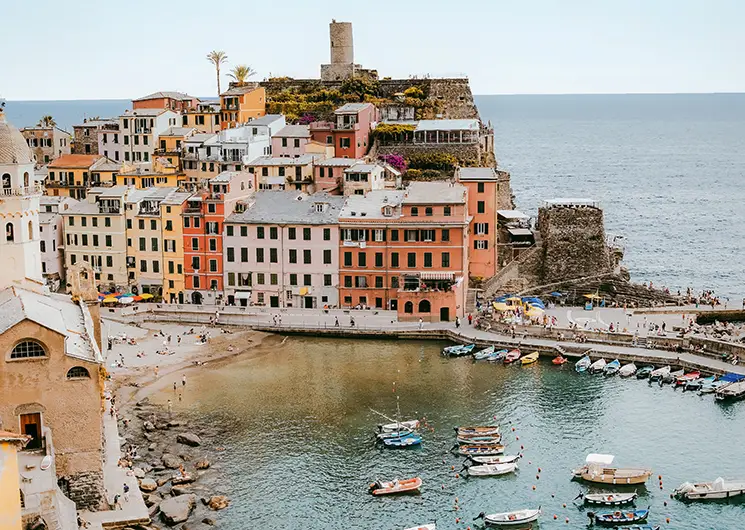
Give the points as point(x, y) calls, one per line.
point(477, 430)
point(430, 526)
point(656, 375)
point(481, 440)
point(718, 489)
point(608, 499)
point(458, 350)
point(612, 367)
point(710, 388)
point(671, 377)
point(393, 487)
point(559, 360)
point(619, 517)
point(597, 469)
point(698, 384)
point(395, 434)
point(403, 440)
point(644, 372)
point(480, 450)
point(490, 470)
point(627, 370)
point(502, 459)
point(497, 356)
point(530, 358)
point(685, 378)
point(519, 517)
point(484, 354)
point(730, 392)
point(410, 425)
point(597, 367)
point(583, 364)
point(511, 356)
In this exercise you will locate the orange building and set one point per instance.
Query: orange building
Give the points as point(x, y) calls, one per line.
point(405, 251)
point(241, 104)
point(483, 203)
point(177, 101)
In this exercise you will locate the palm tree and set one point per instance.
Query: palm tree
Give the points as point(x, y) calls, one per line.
point(217, 58)
point(47, 121)
point(241, 73)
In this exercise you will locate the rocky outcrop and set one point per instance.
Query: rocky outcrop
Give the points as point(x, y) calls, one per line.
point(147, 485)
point(190, 439)
point(177, 509)
point(170, 461)
point(218, 502)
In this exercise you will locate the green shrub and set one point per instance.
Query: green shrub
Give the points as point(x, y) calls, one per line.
point(432, 161)
point(414, 92)
point(414, 173)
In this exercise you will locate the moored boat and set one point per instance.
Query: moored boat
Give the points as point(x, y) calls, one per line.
point(480, 440)
point(393, 487)
point(559, 360)
point(518, 517)
point(511, 356)
point(480, 450)
point(608, 499)
point(458, 350)
point(490, 470)
point(731, 392)
point(619, 517)
point(597, 367)
point(410, 425)
point(698, 384)
point(583, 364)
point(627, 370)
point(718, 489)
point(484, 354)
point(671, 377)
point(431, 526)
point(403, 440)
point(477, 430)
point(530, 358)
point(612, 367)
point(501, 459)
point(497, 356)
point(685, 378)
point(659, 373)
point(597, 469)
point(644, 372)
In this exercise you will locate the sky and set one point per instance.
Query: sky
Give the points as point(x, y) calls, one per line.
point(106, 49)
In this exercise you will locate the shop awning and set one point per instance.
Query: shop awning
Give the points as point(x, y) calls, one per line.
point(243, 295)
point(437, 276)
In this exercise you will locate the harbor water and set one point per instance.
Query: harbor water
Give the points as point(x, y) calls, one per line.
point(295, 429)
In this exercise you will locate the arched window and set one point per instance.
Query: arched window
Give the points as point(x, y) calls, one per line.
point(30, 231)
point(408, 307)
point(78, 372)
point(25, 179)
point(428, 211)
point(6, 181)
point(9, 235)
point(414, 211)
point(27, 349)
point(424, 306)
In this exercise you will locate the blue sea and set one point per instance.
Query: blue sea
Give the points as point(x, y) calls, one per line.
point(668, 170)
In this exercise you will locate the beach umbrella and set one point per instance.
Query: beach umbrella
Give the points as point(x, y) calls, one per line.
point(126, 300)
point(500, 306)
point(593, 296)
point(109, 300)
point(137, 298)
point(534, 312)
point(146, 296)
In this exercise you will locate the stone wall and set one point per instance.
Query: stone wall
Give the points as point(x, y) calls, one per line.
point(86, 490)
point(505, 198)
point(468, 154)
point(81, 140)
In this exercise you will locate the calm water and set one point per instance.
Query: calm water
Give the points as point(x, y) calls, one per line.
point(668, 170)
point(296, 428)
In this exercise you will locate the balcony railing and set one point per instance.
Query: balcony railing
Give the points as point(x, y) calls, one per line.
point(143, 130)
point(341, 126)
point(23, 191)
point(109, 209)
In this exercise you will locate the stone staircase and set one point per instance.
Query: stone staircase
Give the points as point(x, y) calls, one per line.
point(509, 278)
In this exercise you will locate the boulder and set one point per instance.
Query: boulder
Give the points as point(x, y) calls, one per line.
point(175, 423)
point(151, 498)
point(218, 502)
point(148, 426)
point(152, 509)
point(208, 521)
point(189, 438)
point(152, 447)
point(180, 490)
point(182, 479)
point(148, 436)
point(138, 472)
point(203, 464)
point(163, 480)
point(177, 509)
point(170, 461)
point(147, 485)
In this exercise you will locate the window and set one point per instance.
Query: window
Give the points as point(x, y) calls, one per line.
point(85, 240)
point(480, 187)
point(446, 234)
point(394, 235)
point(481, 229)
point(428, 211)
point(414, 211)
point(259, 232)
point(244, 255)
point(171, 267)
point(327, 234)
point(196, 282)
point(78, 372)
point(347, 281)
point(297, 143)
point(231, 279)
point(379, 282)
point(143, 265)
point(213, 265)
point(481, 207)
point(378, 259)
point(195, 243)
point(394, 260)
point(259, 255)
point(94, 220)
point(292, 233)
point(143, 244)
point(231, 254)
point(273, 280)
point(27, 349)
point(229, 230)
point(244, 231)
point(344, 143)
point(306, 234)
point(394, 282)
point(307, 279)
point(428, 260)
point(83, 221)
point(141, 224)
point(306, 257)
point(95, 240)
point(71, 221)
point(293, 279)
point(284, 142)
point(425, 306)
point(347, 259)
point(428, 235)
point(329, 141)
point(411, 260)
point(154, 244)
point(273, 232)
point(327, 280)
point(411, 235)
point(195, 263)
point(211, 208)
point(481, 244)
point(362, 259)
point(273, 255)
point(327, 256)
point(446, 211)
point(360, 282)
point(445, 260)
point(378, 235)
point(408, 307)
point(43, 246)
point(293, 255)
point(109, 261)
point(153, 224)
point(156, 266)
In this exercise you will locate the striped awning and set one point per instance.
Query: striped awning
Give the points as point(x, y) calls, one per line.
point(437, 275)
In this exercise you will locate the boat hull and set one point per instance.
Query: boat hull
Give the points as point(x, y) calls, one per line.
point(401, 426)
point(512, 518)
point(619, 518)
point(396, 487)
point(610, 499)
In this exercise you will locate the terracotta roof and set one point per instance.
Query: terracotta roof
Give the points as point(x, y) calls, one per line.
point(13, 147)
point(239, 90)
point(167, 94)
point(6, 436)
point(74, 161)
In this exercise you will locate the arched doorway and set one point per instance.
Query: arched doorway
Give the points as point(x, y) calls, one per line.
point(444, 314)
point(408, 307)
point(424, 306)
point(196, 297)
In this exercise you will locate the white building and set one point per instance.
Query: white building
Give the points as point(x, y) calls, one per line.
point(362, 178)
point(241, 144)
point(52, 237)
point(141, 129)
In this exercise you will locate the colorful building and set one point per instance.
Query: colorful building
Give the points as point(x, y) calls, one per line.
point(160, 173)
point(241, 104)
point(282, 251)
point(141, 129)
point(350, 132)
point(279, 173)
point(291, 141)
point(10, 480)
point(205, 117)
point(177, 101)
point(52, 239)
point(47, 143)
point(171, 222)
point(171, 144)
point(73, 175)
point(328, 174)
point(483, 203)
point(405, 251)
point(87, 137)
point(110, 141)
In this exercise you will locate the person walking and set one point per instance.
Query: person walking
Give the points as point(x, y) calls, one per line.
point(183, 380)
point(457, 322)
point(351, 322)
point(126, 492)
point(421, 323)
point(336, 322)
point(170, 408)
point(156, 371)
point(470, 319)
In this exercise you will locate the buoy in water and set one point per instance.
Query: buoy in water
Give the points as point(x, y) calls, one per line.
point(522, 447)
point(564, 505)
point(566, 520)
point(533, 488)
point(513, 429)
point(457, 475)
point(538, 477)
point(555, 517)
point(539, 470)
point(667, 520)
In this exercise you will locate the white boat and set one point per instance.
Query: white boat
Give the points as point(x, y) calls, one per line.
point(598, 469)
point(484, 354)
point(423, 527)
point(490, 470)
point(518, 517)
point(597, 367)
point(658, 374)
point(671, 377)
point(608, 499)
point(627, 370)
point(502, 459)
point(719, 489)
point(399, 426)
point(583, 364)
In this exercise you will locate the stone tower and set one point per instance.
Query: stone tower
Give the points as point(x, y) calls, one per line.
point(20, 253)
point(342, 53)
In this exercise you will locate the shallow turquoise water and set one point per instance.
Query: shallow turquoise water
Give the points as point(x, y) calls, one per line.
point(296, 428)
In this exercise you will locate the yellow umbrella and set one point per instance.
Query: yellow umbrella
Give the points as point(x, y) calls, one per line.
point(534, 312)
point(500, 306)
point(110, 300)
point(593, 296)
point(146, 296)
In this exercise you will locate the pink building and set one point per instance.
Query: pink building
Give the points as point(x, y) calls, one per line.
point(350, 133)
point(291, 141)
point(329, 174)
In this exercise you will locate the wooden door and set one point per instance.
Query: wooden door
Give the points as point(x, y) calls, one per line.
point(31, 425)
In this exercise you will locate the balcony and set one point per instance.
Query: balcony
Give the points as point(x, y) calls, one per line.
point(23, 191)
point(341, 126)
point(109, 209)
point(166, 152)
point(143, 130)
point(149, 211)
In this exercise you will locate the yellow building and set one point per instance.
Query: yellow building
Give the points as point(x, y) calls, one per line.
point(241, 104)
point(284, 173)
point(173, 246)
point(10, 484)
point(171, 144)
point(205, 118)
point(73, 175)
point(159, 173)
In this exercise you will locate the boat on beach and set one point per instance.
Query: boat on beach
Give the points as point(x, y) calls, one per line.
point(597, 469)
point(559, 360)
point(685, 378)
point(627, 370)
point(644, 372)
point(484, 354)
point(480, 450)
point(480, 430)
point(490, 470)
point(518, 517)
point(393, 487)
point(612, 367)
point(410, 425)
point(501, 459)
point(619, 517)
point(718, 489)
point(511, 356)
point(608, 499)
point(658, 374)
point(530, 358)
point(583, 364)
point(597, 367)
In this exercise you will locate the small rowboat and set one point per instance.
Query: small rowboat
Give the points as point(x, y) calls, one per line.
point(484, 430)
point(658, 374)
point(497, 356)
point(515, 518)
point(597, 367)
point(672, 377)
point(644, 372)
point(701, 382)
point(608, 499)
point(530, 358)
point(627, 370)
point(404, 440)
point(597, 469)
point(393, 487)
point(431, 526)
point(387, 435)
point(504, 459)
point(511, 356)
point(559, 360)
point(612, 368)
point(490, 470)
point(620, 517)
point(719, 489)
point(480, 440)
point(685, 378)
point(484, 354)
point(481, 450)
point(458, 350)
point(583, 364)
point(409, 425)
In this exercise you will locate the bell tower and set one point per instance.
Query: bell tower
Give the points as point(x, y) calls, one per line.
point(20, 253)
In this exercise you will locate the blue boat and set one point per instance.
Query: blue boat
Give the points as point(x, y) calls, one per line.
point(497, 356)
point(583, 364)
point(612, 367)
point(483, 354)
point(404, 440)
point(458, 350)
point(620, 517)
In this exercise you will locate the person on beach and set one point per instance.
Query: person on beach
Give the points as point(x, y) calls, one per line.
point(116, 503)
point(174, 386)
point(170, 408)
point(183, 380)
point(156, 371)
point(178, 341)
point(421, 323)
point(126, 492)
